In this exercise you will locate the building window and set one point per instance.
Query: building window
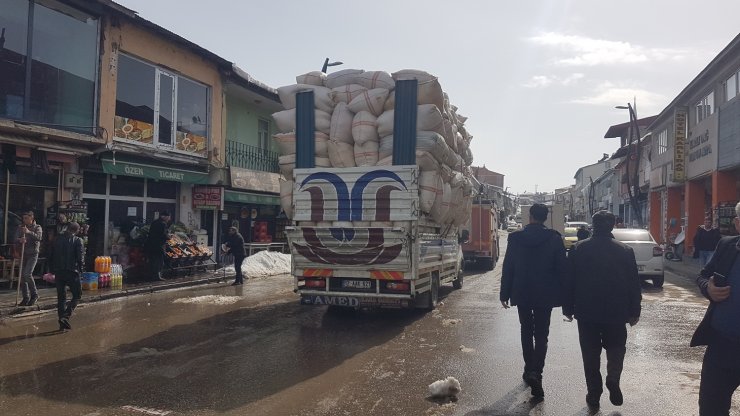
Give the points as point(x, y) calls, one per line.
point(263, 134)
point(663, 141)
point(60, 91)
point(731, 86)
point(705, 107)
point(156, 107)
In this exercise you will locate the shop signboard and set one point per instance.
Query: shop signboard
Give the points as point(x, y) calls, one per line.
point(208, 197)
point(679, 144)
point(701, 153)
point(254, 180)
point(142, 170)
point(248, 198)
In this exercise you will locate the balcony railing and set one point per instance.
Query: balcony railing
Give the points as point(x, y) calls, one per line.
point(242, 155)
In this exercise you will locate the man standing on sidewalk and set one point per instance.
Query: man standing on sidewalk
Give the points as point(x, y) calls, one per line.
point(603, 291)
point(719, 281)
point(29, 236)
point(532, 279)
point(154, 245)
point(235, 245)
point(67, 263)
point(705, 241)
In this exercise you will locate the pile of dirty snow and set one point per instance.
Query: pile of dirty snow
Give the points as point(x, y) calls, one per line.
point(264, 263)
point(210, 299)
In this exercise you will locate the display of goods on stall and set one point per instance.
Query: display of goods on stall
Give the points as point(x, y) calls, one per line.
point(89, 281)
point(180, 249)
point(103, 264)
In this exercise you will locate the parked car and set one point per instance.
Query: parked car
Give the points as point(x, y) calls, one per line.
point(648, 253)
point(576, 224)
point(570, 237)
point(513, 226)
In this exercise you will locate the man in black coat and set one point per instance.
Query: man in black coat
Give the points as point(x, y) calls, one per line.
point(582, 233)
point(720, 328)
point(532, 279)
point(155, 242)
point(603, 292)
point(235, 245)
point(67, 263)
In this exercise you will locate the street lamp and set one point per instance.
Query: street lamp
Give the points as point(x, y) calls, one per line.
point(327, 64)
point(633, 194)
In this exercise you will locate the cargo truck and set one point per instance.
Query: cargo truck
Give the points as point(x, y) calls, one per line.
point(359, 238)
point(482, 247)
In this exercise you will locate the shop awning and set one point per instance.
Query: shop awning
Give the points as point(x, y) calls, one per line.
point(250, 198)
point(144, 170)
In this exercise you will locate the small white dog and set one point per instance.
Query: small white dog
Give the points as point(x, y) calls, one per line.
point(448, 387)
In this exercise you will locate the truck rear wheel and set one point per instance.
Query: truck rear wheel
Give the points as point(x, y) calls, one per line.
point(458, 283)
point(488, 263)
point(430, 299)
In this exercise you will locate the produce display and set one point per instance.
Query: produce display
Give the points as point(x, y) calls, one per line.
point(181, 249)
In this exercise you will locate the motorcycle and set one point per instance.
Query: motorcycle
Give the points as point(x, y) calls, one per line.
point(674, 250)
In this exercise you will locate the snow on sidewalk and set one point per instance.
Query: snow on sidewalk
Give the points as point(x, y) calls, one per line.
point(264, 263)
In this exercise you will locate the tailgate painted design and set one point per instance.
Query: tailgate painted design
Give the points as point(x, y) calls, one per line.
point(356, 194)
point(369, 247)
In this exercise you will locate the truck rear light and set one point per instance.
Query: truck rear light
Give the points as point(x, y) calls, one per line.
point(398, 286)
point(314, 282)
point(657, 251)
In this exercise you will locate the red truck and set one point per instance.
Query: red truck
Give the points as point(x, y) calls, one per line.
point(482, 247)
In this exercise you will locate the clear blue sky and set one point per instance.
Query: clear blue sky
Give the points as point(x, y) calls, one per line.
point(538, 79)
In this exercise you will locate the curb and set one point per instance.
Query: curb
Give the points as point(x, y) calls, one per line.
point(50, 304)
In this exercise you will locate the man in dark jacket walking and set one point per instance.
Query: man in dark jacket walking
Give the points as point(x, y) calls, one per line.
point(67, 263)
point(719, 282)
point(603, 292)
point(235, 245)
point(532, 279)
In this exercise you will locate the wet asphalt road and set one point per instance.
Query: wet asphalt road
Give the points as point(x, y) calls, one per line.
point(253, 350)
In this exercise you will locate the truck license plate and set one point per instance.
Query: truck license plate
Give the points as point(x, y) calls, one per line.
point(356, 284)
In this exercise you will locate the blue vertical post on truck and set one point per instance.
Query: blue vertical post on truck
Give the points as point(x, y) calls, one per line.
point(359, 238)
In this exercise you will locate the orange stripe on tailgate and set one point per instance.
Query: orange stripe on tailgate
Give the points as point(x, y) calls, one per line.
point(385, 275)
point(317, 272)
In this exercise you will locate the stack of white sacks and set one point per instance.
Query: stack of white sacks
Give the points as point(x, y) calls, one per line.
point(354, 122)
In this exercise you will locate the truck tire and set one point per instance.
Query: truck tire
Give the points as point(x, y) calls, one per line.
point(658, 281)
point(458, 283)
point(488, 264)
point(430, 299)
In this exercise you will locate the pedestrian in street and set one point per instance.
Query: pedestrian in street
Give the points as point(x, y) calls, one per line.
point(532, 280)
point(154, 246)
point(603, 293)
point(719, 281)
point(29, 235)
point(582, 233)
point(705, 241)
point(67, 263)
point(235, 245)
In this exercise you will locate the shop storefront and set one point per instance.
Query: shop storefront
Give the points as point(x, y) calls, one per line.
point(253, 205)
point(125, 195)
point(31, 179)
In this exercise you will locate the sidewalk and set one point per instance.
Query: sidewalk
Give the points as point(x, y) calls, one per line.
point(48, 294)
point(687, 268)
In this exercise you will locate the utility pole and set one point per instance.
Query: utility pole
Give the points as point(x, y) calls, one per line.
point(633, 194)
